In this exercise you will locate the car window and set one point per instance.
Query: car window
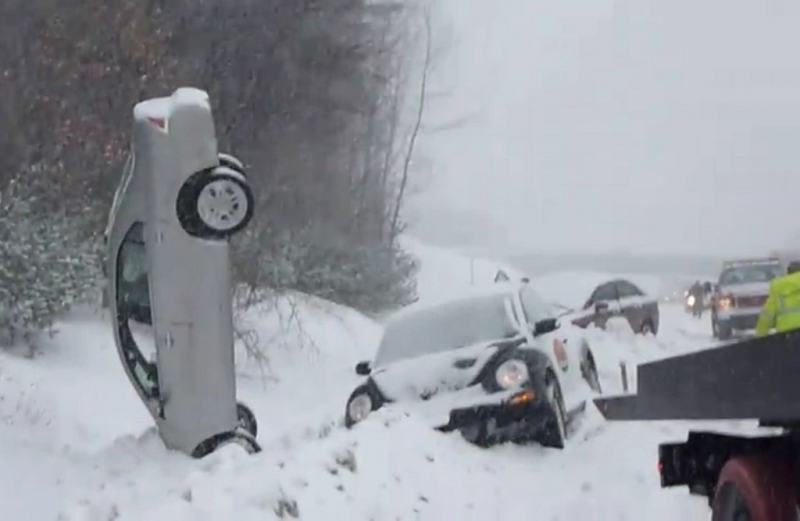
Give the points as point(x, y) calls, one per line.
point(134, 311)
point(605, 293)
point(535, 308)
point(448, 326)
point(627, 289)
point(750, 274)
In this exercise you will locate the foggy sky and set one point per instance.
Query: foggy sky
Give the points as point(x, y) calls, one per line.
point(646, 126)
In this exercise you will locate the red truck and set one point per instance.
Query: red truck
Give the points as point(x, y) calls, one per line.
point(746, 478)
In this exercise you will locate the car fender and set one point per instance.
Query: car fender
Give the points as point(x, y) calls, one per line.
point(568, 351)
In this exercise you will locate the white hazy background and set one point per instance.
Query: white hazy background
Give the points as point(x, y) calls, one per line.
point(639, 126)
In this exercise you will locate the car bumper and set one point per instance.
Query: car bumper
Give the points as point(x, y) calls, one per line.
point(740, 320)
point(516, 418)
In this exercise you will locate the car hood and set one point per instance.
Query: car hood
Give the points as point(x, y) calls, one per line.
point(426, 376)
point(745, 290)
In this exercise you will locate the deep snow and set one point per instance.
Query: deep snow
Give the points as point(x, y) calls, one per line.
point(76, 444)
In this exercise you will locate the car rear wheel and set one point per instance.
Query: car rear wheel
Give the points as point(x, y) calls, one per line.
point(215, 204)
point(247, 420)
point(589, 373)
point(554, 433)
point(647, 328)
point(238, 437)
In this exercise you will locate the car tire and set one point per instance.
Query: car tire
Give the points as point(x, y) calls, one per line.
point(590, 374)
point(476, 433)
point(374, 396)
point(231, 162)
point(647, 328)
point(238, 437)
point(215, 204)
point(724, 331)
point(247, 420)
point(554, 432)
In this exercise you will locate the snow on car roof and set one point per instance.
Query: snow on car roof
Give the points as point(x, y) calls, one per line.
point(468, 293)
point(163, 107)
point(750, 262)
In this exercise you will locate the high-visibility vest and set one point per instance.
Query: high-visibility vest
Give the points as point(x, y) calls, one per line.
point(782, 309)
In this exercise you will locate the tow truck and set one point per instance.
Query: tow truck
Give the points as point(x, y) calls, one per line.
point(745, 478)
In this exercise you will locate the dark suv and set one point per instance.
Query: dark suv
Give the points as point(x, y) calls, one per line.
point(620, 298)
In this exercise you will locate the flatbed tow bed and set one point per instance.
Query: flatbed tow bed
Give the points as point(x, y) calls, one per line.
point(745, 478)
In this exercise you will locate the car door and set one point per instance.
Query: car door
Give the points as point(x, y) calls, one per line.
point(605, 303)
point(133, 309)
point(633, 304)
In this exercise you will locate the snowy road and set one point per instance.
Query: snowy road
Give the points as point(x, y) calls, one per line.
point(76, 444)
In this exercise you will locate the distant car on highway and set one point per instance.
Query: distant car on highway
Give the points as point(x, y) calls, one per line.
point(620, 298)
point(495, 365)
point(740, 293)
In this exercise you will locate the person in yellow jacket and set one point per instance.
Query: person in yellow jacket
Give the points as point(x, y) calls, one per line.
point(782, 309)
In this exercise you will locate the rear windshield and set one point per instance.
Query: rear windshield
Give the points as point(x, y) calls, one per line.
point(446, 327)
point(748, 274)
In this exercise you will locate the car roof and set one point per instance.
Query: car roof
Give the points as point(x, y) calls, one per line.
point(469, 293)
point(750, 262)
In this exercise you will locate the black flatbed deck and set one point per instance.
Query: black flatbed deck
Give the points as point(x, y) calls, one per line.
point(753, 379)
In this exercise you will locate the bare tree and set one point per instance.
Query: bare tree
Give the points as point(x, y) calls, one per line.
point(423, 89)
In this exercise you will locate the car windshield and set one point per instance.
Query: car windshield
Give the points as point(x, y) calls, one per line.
point(448, 326)
point(748, 274)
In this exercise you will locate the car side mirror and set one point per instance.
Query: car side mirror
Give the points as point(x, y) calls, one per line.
point(545, 326)
point(601, 308)
point(363, 369)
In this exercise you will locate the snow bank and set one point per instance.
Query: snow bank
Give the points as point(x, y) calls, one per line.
point(77, 445)
point(444, 273)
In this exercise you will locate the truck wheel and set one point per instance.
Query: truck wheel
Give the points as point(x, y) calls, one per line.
point(554, 432)
point(755, 488)
point(247, 420)
point(724, 331)
point(215, 204)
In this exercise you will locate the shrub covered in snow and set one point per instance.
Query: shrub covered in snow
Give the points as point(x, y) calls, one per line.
point(47, 263)
point(369, 276)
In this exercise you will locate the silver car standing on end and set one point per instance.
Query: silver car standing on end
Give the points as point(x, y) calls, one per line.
point(178, 203)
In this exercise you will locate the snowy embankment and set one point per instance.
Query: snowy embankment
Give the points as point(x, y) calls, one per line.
point(76, 444)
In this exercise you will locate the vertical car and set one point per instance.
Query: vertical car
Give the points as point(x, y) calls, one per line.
point(620, 298)
point(169, 287)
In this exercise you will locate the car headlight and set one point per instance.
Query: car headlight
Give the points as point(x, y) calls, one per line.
point(725, 303)
point(690, 300)
point(511, 373)
point(359, 407)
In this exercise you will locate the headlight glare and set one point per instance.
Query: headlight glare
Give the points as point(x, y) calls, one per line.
point(511, 373)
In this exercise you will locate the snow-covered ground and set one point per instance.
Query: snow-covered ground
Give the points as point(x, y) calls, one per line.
point(76, 444)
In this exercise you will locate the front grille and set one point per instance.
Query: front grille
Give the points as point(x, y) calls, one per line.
point(751, 302)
